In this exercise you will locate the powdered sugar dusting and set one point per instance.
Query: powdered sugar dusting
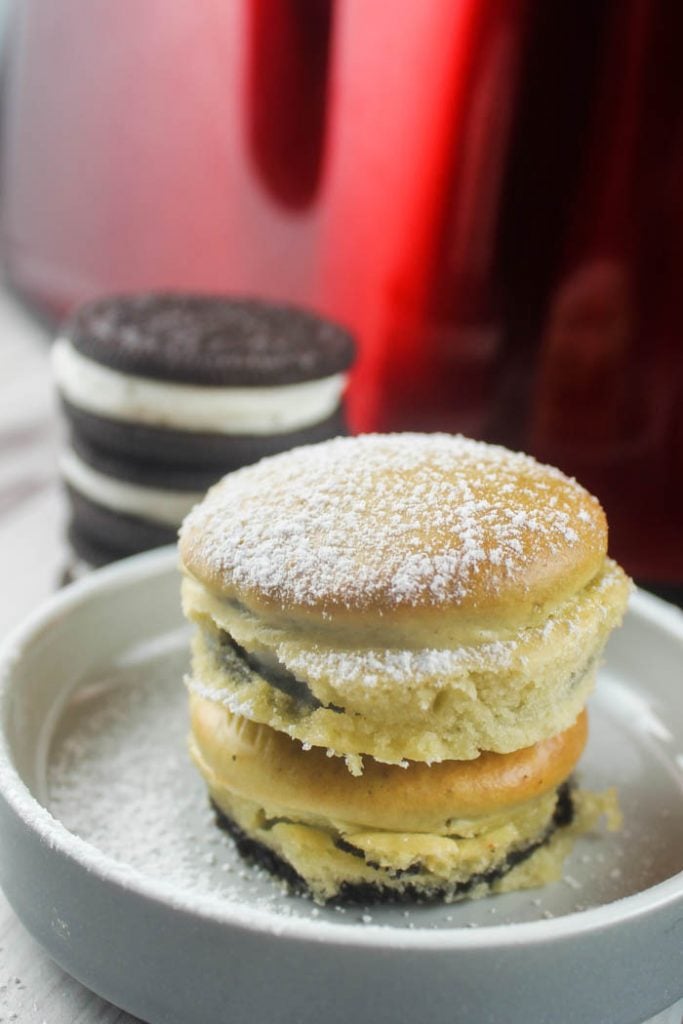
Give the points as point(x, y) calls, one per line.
point(449, 667)
point(408, 519)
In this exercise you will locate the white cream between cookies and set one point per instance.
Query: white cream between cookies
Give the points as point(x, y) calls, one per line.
point(218, 410)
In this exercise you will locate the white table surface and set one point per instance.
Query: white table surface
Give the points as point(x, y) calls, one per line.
point(33, 990)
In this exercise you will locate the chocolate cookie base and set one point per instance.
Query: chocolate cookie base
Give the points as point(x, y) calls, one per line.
point(364, 893)
point(220, 452)
point(89, 552)
point(210, 339)
point(111, 534)
point(160, 475)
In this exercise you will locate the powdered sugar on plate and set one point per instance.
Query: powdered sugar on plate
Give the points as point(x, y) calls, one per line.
point(120, 777)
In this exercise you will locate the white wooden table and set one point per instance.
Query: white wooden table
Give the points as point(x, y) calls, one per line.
point(33, 990)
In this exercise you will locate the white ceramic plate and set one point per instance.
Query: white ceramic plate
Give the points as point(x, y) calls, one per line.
point(109, 855)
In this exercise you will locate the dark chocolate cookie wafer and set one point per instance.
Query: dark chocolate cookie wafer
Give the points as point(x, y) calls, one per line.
point(210, 340)
point(205, 451)
point(102, 535)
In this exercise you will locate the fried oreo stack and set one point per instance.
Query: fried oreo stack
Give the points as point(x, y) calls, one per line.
point(396, 639)
point(164, 393)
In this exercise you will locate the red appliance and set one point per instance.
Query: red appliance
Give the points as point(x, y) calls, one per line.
point(486, 191)
point(293, 148)
point(604, 398)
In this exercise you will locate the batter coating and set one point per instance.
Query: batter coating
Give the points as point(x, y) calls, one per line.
point(432, 611)
point(314, 861)
point(451, 830)
point(395, 596)
point(411, 536)
point(428, 704)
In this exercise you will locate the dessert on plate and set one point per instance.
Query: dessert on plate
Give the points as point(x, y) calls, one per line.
point(396, 638)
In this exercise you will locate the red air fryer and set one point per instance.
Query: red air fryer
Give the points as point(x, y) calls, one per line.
point(297, 149)
point(486, 191)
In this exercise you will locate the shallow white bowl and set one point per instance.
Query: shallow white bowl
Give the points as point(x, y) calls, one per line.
point(147, 910)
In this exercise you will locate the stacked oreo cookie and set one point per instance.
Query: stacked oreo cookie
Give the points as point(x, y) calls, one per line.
point(164, 393)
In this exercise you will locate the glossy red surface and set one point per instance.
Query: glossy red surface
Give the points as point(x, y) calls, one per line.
point(487, 191)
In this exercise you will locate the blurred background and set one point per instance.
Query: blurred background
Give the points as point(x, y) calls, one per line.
point(488, 192)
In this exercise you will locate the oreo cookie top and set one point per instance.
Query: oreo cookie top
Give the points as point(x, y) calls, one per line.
point(210, 340)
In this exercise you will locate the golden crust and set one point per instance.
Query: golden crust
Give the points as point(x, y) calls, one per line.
point(265, 766)
point(399, 528)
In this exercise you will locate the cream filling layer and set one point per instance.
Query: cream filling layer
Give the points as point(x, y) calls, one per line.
point(458, 726)
point(343, 663)
point(218, 410)
point(394, 704)
point(166, 507)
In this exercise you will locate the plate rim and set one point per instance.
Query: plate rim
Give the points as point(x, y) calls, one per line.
point(48, 829)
